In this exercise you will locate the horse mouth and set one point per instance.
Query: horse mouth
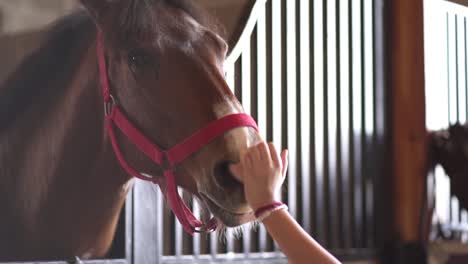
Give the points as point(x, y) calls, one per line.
point(228, 218)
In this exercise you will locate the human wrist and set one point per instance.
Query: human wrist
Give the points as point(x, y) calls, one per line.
point(262, 200)
point(255, 206)
point(265, 211)
point(274, 216)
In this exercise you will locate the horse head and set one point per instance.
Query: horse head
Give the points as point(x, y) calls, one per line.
point(449, 148)
point(165, 68)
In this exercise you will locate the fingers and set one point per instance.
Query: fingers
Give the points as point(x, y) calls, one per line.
point(274, 155)
point(263, 151)
point(267, 152)
point(284, 159)
point(249, 158)
point(284, 169)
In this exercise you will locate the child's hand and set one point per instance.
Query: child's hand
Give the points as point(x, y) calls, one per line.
point(262, 171)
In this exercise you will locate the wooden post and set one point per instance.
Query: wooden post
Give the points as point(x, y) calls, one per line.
point(408, 126)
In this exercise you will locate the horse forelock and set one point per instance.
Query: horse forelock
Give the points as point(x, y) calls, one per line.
point(139, 16)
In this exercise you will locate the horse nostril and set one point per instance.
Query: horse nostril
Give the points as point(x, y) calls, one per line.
point(224, 177)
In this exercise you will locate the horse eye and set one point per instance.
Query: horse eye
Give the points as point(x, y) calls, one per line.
point(138, 60)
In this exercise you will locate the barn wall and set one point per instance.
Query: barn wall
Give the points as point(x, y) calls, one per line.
point(23, 15)
point(20, 25)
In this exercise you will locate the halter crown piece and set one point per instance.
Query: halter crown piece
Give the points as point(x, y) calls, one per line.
point(174, 156)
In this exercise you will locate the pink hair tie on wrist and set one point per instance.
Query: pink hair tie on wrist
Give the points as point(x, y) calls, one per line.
point(265, 211)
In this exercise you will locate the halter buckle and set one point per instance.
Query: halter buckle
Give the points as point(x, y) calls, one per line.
point(208, 227)
point(108, 105)
point(150, 178)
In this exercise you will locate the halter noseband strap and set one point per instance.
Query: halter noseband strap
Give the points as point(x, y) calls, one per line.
point(174, 156)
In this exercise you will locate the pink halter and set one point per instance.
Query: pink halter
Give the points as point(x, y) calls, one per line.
point(173, 157)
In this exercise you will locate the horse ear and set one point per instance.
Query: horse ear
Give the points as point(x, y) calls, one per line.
point(96, 8)
point(233, 16)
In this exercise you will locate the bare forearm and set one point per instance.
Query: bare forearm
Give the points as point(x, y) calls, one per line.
point(295, 243)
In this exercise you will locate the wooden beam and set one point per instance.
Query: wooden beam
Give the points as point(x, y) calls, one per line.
point(461, 2)
point(408, 117)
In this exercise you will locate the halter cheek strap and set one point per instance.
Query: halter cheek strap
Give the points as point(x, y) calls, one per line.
point(174, 156)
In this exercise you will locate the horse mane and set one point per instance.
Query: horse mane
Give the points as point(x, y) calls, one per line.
point(47, 70)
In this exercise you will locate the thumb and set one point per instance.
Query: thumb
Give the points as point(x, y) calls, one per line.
point(236, 170)
point(284, 159)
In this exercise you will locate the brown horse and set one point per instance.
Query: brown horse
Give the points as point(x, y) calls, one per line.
point(449, 148)
point(61, 186)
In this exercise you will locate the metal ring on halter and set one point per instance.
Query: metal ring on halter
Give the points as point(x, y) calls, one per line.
point(208, 227)
point(150, 177)
point(108, 105)
point(203, 230)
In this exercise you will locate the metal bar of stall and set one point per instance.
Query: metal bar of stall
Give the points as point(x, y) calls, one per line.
point(331, 12)
point(196, 246)
point(452, 83)
point(319, 119)
point(258, 258)
point(237, 234)
point(276, 77)
point(464, 220)
point(461, 84)
point(261, 95)
point(452, 72)
point(291, 82)
point(277, 68)
point(456, 65)
point(159, 223)
point(441, 178)
point(213, 245)
point(455, 212)
point(147, 229)
point(465, 41)
point(357, 121)
point(178, 233)
point(369, 112)
point(339, 150)
point(247, 103)
point(305, 111)
point(380, 186)
point(231, 80)
point(256, 13)
point(462, 78)
point(246, 78)
point(344, 103)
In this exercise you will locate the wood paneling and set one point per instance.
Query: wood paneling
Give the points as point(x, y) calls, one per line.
point(408, 116)
point(461, 2)
point(26, 15)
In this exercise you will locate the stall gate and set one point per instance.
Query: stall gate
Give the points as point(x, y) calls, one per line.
point(446, 46)
point(305, 70)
